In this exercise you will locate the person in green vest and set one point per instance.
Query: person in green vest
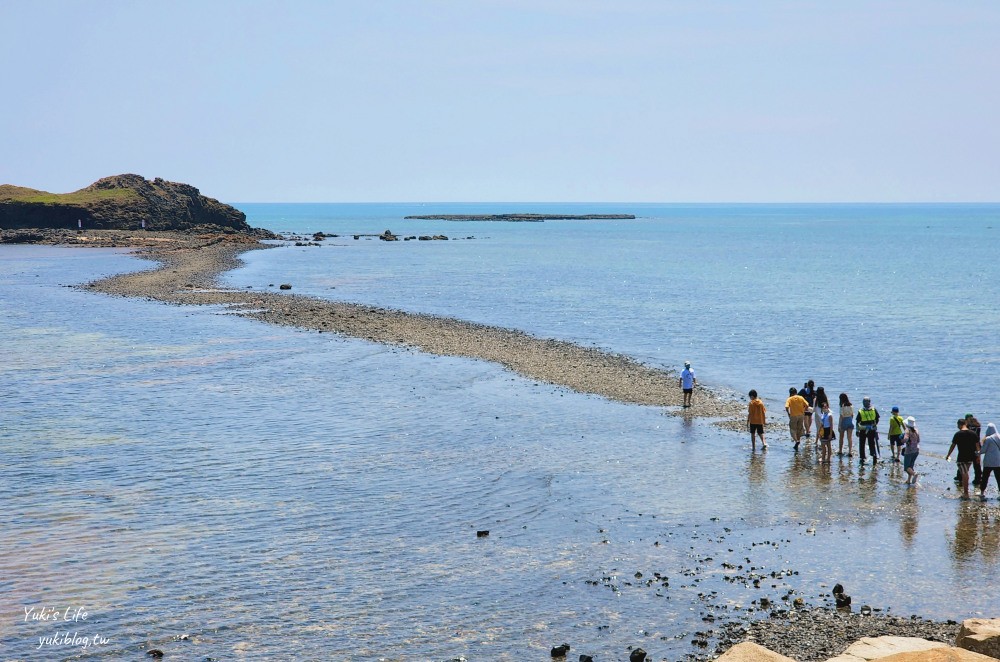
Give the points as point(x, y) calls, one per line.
point(897, 428)
point(867, 424)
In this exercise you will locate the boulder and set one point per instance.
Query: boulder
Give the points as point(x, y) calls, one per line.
point(751, 652)
point(560, 650)
point(876, 648)
point(980, 635)
point(946, 654)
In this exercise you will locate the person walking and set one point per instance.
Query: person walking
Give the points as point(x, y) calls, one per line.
point(756, 420)
point(867, 421)
point(990, 455)
point(818, 402)
point(825, 433)
point(968, 446)
point(687, 382)
point(846, 426)
point(808, 392)
point(975, 427)
point(897, 427)
point(795, 407)
point(911, 449)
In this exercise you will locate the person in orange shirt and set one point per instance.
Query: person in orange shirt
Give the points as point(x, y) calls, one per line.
point(757, 419)
point(796, 407)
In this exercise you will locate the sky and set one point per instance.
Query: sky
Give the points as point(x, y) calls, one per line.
point(507, 100)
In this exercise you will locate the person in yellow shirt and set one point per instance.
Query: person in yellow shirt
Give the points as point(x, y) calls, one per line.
point(757, 419)
point(795, 407)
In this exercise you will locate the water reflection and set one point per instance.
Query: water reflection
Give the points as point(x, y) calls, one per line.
point(909, 515)
point(977, 535)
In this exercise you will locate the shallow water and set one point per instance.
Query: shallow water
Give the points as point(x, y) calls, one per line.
point(265, 492)
point(893, 301)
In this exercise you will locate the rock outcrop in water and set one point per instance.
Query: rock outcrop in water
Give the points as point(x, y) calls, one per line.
point(121, 202)
point(521, 218)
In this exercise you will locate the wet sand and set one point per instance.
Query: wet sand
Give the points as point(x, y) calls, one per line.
point(188, 272)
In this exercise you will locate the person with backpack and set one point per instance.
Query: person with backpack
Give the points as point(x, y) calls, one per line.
point(808, 393)
point(896, 429)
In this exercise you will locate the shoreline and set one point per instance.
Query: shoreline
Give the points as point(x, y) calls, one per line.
point(188, 273)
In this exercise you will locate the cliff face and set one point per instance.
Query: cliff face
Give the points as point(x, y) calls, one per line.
point(121, 202)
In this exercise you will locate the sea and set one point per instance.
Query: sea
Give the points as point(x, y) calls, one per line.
point(182, 479)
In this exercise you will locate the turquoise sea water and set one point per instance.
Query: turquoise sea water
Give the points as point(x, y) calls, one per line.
point(217, 488)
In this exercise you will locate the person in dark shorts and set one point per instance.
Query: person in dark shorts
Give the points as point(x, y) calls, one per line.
point(974, 426)
point(825, 433)
point(687, 383)
point(867, 422)
point(896, 429)
point(990, 452)
point(756, 420)
point(968, 447)
point(819, 400)
point(808, 392)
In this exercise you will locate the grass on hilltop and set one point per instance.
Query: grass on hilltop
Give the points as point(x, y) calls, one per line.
point(12, 193)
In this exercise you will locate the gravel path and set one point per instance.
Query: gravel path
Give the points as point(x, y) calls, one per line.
point(188, 275)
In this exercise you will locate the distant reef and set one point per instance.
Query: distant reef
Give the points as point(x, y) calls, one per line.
point(120, 202)
point(521, 218)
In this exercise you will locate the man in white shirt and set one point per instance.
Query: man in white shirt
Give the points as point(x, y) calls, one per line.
point(687, 383)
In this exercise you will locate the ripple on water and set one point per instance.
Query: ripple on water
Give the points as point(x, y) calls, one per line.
point(277, 493)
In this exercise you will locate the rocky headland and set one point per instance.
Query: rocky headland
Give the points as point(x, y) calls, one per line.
point(120, 202)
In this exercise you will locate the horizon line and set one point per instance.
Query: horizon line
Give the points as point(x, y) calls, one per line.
point(600, 202)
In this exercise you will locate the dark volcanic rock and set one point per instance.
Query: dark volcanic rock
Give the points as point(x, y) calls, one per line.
point(559, 651)
point(121, 202)
point(520, 218)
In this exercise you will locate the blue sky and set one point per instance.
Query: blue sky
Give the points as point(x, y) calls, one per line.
point(465, 100)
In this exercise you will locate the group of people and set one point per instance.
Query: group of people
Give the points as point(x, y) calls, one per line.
point(811, 405)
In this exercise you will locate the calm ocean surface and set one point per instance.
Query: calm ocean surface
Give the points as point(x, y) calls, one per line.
point(217, 488)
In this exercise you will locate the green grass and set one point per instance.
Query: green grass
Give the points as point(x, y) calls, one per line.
point(82, 197)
